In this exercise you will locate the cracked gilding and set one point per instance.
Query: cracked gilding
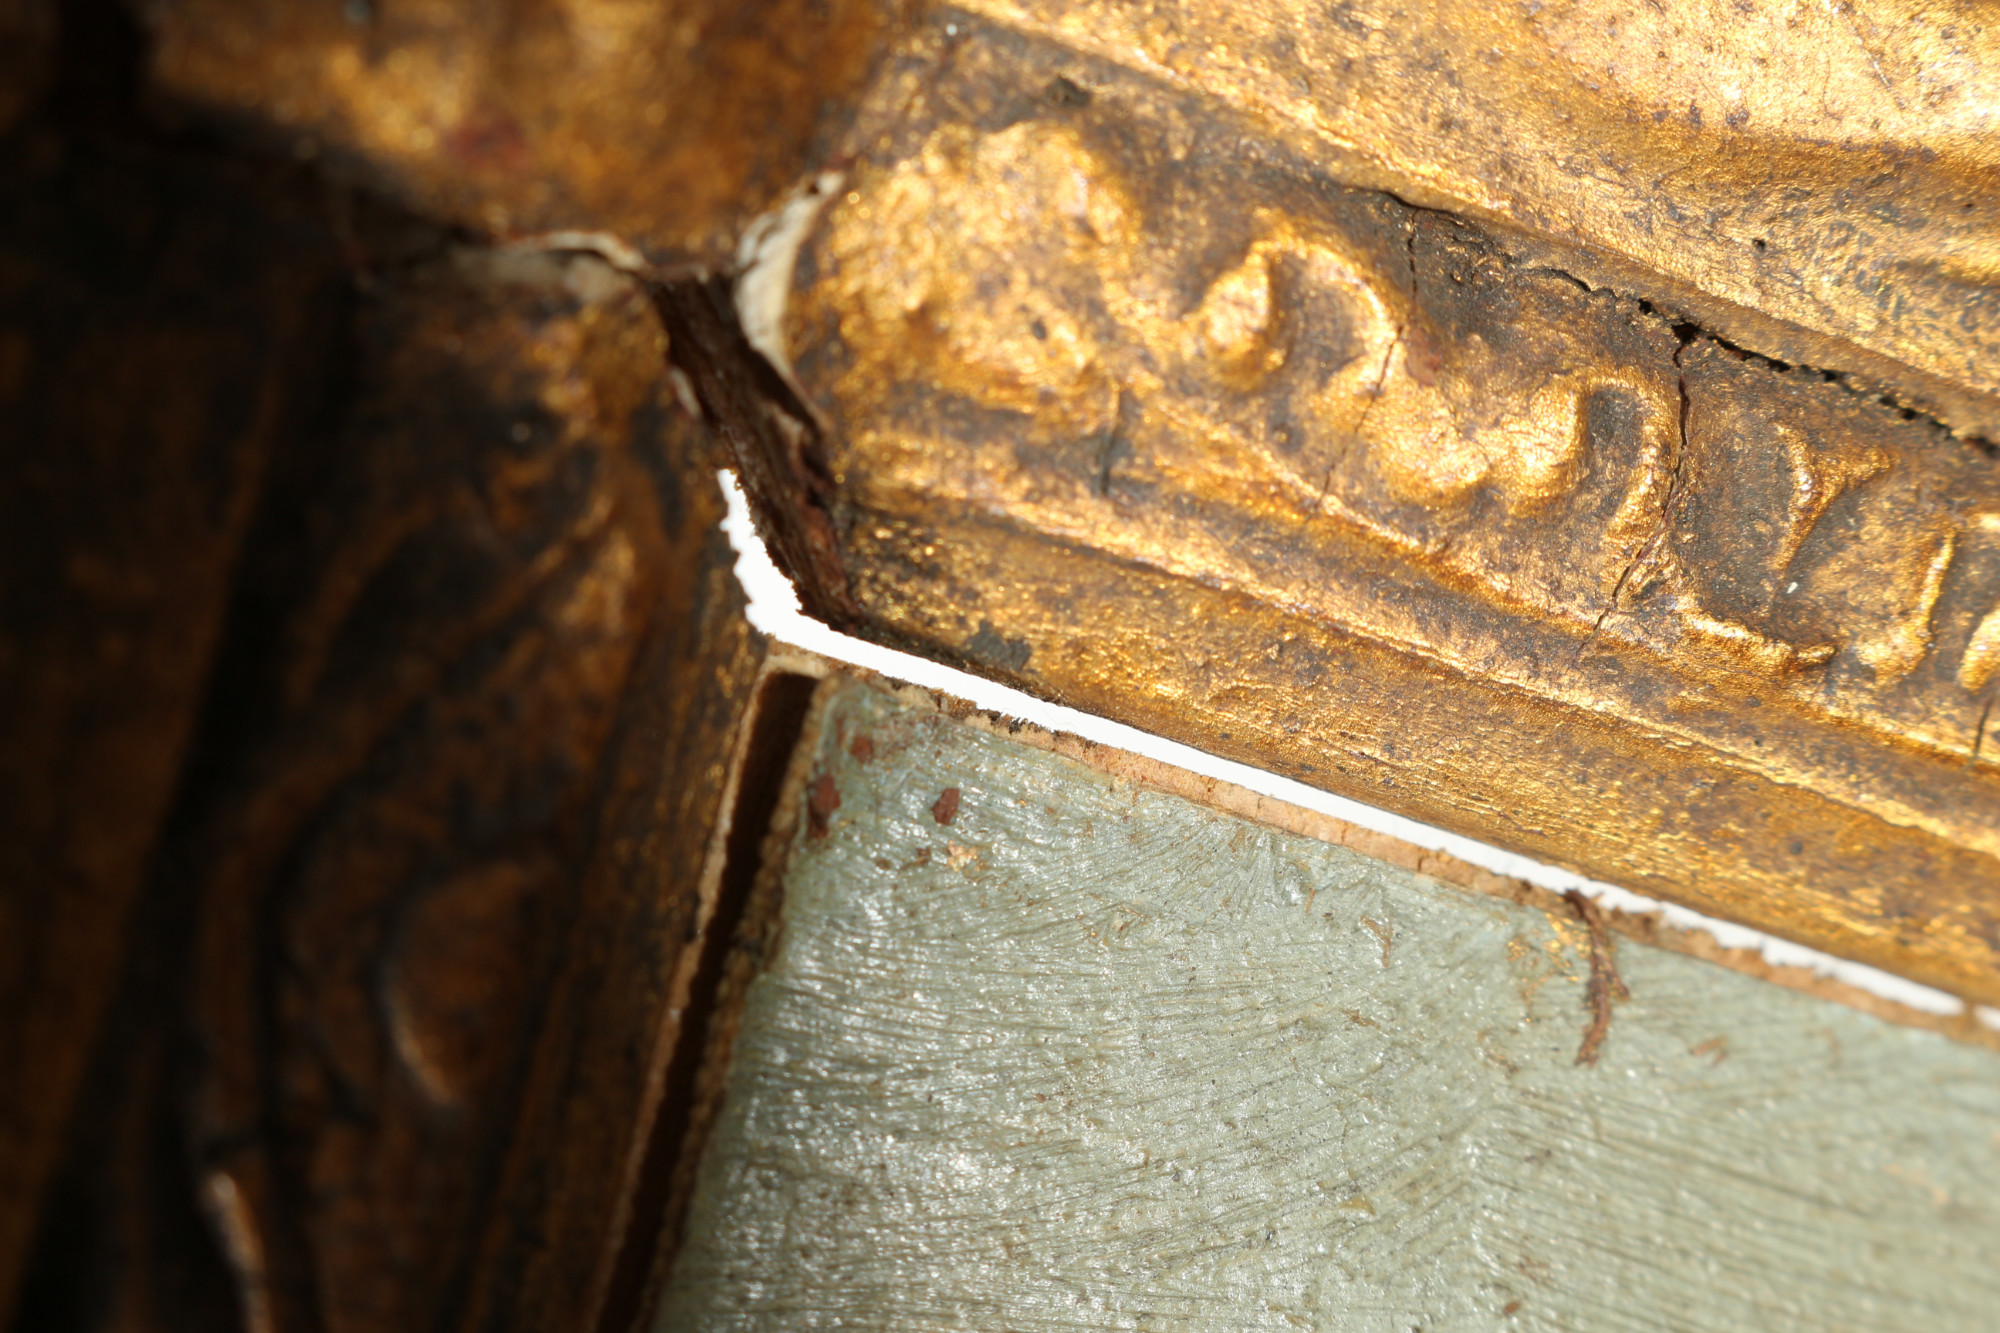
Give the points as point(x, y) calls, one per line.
point(1378, 497)
point(1821, 182)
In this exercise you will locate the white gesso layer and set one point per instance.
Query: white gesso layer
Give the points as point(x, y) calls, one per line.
point(774, 609)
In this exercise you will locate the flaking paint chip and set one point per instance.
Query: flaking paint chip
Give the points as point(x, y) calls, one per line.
point(821, 801)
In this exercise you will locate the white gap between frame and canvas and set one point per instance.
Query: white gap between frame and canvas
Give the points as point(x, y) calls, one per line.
point(774, 609)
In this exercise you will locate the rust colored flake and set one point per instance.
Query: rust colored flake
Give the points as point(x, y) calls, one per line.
point(821, 801)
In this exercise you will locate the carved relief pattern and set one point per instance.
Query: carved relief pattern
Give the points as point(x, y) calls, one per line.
point(1816, 180)
point(387, 901)
point(1103, 318)
point(1132, 402)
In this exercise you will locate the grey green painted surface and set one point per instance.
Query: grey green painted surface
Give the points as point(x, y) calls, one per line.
point(1092, 1057)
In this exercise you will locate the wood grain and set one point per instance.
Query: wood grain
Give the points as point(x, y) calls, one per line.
point(418, 938)
point(164, 332)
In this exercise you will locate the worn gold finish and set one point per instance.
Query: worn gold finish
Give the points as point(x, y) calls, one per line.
point(1818, 180)
point(1129, 401)
point(666, 125)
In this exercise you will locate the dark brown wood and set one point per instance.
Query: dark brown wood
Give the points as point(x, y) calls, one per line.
point(737, 935)
point(375, 666)
point(628, 982)
point(162, 329)
point(774, 437)
point(468, 824)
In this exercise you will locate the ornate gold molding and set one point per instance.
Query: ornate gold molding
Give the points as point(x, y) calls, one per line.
point(1131, 399)
point(1821, 182)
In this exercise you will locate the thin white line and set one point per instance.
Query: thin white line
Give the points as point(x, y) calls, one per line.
point(774, 609)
